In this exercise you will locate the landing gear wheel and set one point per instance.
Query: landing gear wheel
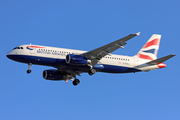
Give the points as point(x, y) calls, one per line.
point(76, 82)
point(29, 68)
point(28, 71)
point(92, 71)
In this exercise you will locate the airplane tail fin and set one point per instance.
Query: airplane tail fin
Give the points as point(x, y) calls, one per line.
point(150, 50)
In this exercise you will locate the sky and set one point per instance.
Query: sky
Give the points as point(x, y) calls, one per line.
point(86, 25)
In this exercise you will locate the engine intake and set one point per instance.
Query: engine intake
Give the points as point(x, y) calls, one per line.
point(53, 75)
point(77, 59)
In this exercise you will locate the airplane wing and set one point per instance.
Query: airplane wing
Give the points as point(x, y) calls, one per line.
point(97, 54)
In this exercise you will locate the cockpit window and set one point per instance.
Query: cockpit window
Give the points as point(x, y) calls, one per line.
point(15, 48)
point(18, 48)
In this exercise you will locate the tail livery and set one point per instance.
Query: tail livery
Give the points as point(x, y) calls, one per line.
point(147, 56)
point(150, 49)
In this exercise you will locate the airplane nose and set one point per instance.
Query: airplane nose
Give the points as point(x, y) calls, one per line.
point(8, 55)
point(14, 56)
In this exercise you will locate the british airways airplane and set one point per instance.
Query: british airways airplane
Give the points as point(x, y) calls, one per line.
point(69, 63)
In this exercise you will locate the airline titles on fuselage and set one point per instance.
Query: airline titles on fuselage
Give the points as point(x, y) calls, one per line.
point(64, 53)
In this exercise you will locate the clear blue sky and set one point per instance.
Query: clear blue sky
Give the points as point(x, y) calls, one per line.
point(86, 25)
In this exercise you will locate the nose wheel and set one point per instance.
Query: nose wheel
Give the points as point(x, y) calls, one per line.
point(28, 71)
point(29, 68)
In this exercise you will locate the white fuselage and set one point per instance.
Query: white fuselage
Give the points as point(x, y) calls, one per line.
point(52, 56)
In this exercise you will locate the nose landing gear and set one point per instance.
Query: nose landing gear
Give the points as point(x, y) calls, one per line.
point(29, 68)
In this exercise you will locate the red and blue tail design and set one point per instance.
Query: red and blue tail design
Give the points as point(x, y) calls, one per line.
point(150, 49)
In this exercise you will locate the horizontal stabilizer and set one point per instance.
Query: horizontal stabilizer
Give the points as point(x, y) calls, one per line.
point(160, 60)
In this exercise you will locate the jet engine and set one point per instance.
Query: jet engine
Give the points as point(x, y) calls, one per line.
point(53, 75)
point(77, 59)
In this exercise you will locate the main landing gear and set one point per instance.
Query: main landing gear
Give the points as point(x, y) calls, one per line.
point(76, 82)
point(92, 71)
point(29, 68)
point(71, 75)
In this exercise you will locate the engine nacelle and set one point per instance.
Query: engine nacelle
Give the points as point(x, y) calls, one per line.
point(53, 75)
point(77, 59)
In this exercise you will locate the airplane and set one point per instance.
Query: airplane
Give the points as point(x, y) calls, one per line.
point(69, 63)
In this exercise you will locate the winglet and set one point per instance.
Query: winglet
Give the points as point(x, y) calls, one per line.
point(138, 34)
